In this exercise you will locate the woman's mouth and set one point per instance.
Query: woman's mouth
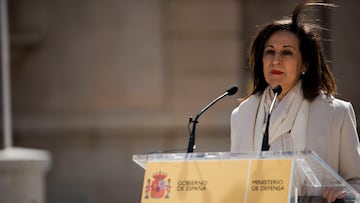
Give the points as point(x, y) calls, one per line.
point(276, 72)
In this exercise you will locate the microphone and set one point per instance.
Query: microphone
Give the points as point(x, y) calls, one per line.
point(265, 144)
point(230, 91)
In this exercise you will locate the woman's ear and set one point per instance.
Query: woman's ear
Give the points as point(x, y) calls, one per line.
point(304, 68)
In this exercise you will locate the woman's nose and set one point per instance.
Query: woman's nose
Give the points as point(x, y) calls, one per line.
point(276, 59)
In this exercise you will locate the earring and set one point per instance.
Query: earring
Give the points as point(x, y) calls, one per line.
point(303, 73)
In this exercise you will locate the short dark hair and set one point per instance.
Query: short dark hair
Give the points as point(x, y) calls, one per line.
point(318, 76)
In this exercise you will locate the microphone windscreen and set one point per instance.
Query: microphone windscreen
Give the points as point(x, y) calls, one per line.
point(232, 89)
point(277, 89)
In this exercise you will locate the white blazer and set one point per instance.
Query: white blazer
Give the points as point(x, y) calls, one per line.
point(331, 133)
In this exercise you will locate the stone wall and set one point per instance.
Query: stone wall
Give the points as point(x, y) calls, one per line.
point(95, 82)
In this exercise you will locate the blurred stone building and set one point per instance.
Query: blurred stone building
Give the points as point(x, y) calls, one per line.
point(94, 82)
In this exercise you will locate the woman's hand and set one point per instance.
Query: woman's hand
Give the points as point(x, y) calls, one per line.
point(331, 194)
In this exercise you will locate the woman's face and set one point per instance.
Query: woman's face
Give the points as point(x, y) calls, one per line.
point(282, 61)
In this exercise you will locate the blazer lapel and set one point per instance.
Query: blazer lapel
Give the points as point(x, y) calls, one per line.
point(245, 124)
point(319, 124)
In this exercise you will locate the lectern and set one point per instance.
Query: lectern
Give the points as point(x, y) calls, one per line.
point(254, 177)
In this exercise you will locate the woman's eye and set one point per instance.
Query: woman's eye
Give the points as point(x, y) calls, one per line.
point(269, 52)
point(287, 53)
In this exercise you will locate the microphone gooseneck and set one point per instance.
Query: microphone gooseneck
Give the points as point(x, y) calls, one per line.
point(191, 146)
point(265, 144)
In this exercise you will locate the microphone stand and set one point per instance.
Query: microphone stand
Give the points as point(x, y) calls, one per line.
point(265, 144)
point(191, 145)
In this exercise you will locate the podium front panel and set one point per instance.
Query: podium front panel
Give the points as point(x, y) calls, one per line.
point(238, 177)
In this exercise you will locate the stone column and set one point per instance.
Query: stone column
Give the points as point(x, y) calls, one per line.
point(22, 175)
